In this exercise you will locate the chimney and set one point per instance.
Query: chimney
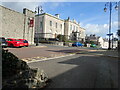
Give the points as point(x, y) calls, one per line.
point(57, 15)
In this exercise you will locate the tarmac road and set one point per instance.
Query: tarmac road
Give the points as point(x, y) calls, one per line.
point(48, 52)
point(81, 71)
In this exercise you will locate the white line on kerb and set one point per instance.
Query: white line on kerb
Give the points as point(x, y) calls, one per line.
point(46, 59)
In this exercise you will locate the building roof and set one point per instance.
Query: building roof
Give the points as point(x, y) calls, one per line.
point(61, 19)
point(50, 16)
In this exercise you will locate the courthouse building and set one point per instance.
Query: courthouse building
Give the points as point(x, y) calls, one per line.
point(17, 25)
point(49, 26)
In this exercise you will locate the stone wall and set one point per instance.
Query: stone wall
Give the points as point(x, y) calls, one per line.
point(16, 24)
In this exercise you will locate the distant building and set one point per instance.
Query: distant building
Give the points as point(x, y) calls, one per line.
point(17, 25)
point(101, 42)
point(92, 38)
point(49, 26)
point(73, 31)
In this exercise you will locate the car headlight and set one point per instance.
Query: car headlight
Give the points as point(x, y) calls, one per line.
point(17, 42)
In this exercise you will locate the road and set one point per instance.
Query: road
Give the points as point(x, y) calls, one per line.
point(49, 51)
point(81, 71)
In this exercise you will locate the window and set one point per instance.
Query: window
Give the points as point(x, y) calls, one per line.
point(50, 30)
point(9, 40)
point(61, 26)
point(17, 40)
point(50, 23)
point(70, 27)
point(76, 28)
point(56, 25)
point(41, 24)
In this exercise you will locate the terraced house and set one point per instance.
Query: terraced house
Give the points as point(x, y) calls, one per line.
point(49, 26)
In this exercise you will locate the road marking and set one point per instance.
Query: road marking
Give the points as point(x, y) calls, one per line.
point(46, 59)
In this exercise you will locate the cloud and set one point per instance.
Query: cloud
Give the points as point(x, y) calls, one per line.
point(100, 29)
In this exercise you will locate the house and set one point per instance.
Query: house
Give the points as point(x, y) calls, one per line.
point(92, 39)
point(73, 31)
point(49, 26)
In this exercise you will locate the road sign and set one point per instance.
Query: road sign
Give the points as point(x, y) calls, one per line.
point(110, 34)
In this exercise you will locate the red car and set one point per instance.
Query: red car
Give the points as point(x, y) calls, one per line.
point(14, 42)
point(25, 42)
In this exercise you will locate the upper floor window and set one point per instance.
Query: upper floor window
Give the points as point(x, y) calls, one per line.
point(56, 25)
point(61, 26)
point(41, 24)
point(50, 23)
point(76, 28)
point(70, 27)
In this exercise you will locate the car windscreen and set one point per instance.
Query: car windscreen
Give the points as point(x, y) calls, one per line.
point(2, 40)
point(25, 41)
point(17, 40)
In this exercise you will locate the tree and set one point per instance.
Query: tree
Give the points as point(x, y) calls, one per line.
point(61, 38)
point(118, 33)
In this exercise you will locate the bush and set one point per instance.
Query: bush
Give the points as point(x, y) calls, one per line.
point(61, 38)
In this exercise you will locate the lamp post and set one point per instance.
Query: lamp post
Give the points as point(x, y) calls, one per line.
point(110, 5)
point(38, 10)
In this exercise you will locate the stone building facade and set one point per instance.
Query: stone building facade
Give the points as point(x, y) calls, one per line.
point(49, 26)
point(73, 31)
point(17, 25)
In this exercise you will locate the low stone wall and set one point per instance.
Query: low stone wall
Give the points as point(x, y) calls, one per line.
point(17, 74)
point(59, 43)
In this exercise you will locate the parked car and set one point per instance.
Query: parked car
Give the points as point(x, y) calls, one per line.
point(93, 45)
point(3, 42)
point(77, 44)
point(14, 42)
point(25, 42)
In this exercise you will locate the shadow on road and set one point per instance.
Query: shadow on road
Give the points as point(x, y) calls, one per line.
point(90, 72)
point(66, 51)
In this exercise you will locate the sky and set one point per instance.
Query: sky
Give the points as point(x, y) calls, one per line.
point(91, 15)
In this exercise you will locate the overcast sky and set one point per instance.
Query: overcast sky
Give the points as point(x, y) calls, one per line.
point(90, 14)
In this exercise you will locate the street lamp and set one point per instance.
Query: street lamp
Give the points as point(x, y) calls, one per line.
point(38, 10)
point(110, 5)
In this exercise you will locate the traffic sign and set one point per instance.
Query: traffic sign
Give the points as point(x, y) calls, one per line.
point(110, 34)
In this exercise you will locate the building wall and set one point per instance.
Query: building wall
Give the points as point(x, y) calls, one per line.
point(53, 29)
point(0, 21)
point(47, 31)
point(73, 26)
point(16, 25)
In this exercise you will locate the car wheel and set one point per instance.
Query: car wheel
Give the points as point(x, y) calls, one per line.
point(5, 46)
point(11, 45)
